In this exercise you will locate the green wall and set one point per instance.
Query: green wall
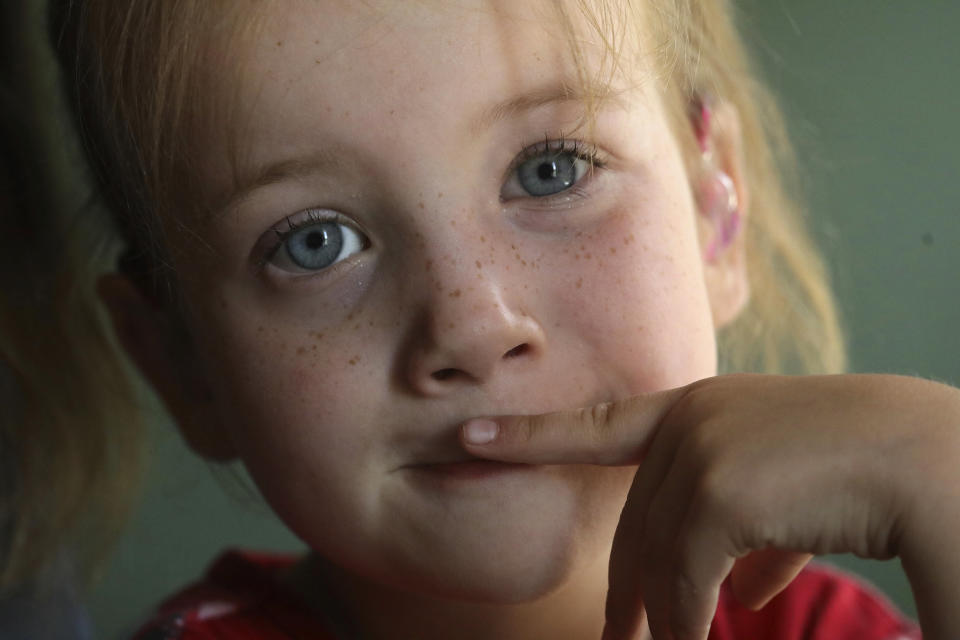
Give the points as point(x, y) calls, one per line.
point(872, 90)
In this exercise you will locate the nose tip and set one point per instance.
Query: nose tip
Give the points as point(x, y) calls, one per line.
point(471, 342)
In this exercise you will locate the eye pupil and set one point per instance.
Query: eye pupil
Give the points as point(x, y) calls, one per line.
point(316, 239)
point(547, 170)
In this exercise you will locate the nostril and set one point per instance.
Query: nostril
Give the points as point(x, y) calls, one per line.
point(518, 350)
point(444, 374)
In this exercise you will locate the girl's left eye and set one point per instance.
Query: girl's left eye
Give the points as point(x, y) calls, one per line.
point(315, 244)
point(548, 169)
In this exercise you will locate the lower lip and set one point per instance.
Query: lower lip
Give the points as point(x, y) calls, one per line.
point(471, 470)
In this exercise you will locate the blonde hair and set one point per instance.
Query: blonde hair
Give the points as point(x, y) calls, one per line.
point(69, 435)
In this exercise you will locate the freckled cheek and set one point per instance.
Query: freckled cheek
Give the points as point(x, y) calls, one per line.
point(632, 293)
point(264, 371)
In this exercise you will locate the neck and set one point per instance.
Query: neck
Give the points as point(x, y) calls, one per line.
point(370, 611)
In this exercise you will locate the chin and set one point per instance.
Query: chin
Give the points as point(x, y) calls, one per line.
point(523, 551)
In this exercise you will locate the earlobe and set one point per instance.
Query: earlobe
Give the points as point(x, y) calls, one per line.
point(722, 197)
point(150, 339)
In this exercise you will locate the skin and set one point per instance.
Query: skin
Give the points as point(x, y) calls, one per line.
point(344, 391)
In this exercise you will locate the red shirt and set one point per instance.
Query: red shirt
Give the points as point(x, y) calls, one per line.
point(240, 598)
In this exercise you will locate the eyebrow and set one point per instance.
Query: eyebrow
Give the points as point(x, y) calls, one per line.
point(327, 159)
point(556, 93)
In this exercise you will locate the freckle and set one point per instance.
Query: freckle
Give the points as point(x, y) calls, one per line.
point(587, 256)
point(451, 326)
point(439, 195)
point(613, 251)
point(279, 43)
point(353, 361)
point(523, 262)
point(479, 265)
point(576, 256)
point(392, 111)
point(370, 324)
point(453, 223)
point(346, 114)
point(301, 351)
point(483, 238)
point(579, 282)
point(579, 233)
point(313, 348)
point(421, 205)
point(455, 293)
point(356, 326)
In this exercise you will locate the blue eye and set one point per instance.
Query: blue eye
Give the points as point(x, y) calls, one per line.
point(315, 245)
point(548, 169)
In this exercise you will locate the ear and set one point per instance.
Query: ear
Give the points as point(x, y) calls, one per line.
point(722, 237)
point(157, 345)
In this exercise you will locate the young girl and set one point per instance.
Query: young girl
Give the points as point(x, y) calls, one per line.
point(451, 278)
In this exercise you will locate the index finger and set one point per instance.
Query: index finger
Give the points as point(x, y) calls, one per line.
point(610, 433)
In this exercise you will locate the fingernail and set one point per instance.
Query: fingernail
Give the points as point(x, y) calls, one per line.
point(480, 431)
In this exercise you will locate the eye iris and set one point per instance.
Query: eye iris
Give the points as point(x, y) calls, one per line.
point(547, 175)
point(315, 247)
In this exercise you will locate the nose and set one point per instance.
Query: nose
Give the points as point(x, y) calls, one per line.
point(471, 335)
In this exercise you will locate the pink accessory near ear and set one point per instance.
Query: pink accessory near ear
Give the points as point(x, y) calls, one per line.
point(717, 196)
point(702, 126)
point(719, 202)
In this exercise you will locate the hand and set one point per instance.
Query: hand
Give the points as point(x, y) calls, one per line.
point(749, 474)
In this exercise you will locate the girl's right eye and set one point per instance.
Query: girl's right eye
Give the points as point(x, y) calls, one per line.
point(315, 244)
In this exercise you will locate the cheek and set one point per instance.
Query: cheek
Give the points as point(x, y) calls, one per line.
point(281, 382)
point(632, 292)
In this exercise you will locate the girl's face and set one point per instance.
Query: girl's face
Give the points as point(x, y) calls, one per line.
point(412, 235)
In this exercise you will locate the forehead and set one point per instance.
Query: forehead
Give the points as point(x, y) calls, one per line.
point(322, 74)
